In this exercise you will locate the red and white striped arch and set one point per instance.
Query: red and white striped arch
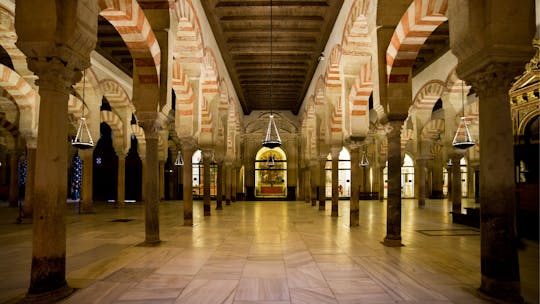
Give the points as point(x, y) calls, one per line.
point(419, 21)
point(115, 93)
point(116, 125)
point(428, 95)
point(8, 126)
point(406, 136)
point(210, 89)
point(359, 101)
point(432, 129)
point(333, 92)
point(129, 20)
point(189, 46)
point(356, 39)
point(8, 37)
point(23, 94)
point(185, 101)
point(320, 91)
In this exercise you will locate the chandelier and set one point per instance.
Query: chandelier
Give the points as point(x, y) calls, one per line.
point(83, 139)
point(364, 160)
point(462, 138)
point(272, 139)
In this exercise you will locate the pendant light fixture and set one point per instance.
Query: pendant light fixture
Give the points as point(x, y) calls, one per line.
point(83, 139)
point(179, 160)
point(270, 162)
point(364, 160)
point(272, 139)
point(462, 139)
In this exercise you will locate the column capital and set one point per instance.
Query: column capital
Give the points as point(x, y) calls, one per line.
point(495, 79)
point(188, 143)
point(207, 154)
point(334, 150)
point(152, 123)
point(31, 139)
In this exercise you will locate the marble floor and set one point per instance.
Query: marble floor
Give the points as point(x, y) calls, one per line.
point(262, 252)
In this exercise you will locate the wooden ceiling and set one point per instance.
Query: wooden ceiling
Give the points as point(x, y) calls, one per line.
point(300, 30)
point(111, 46)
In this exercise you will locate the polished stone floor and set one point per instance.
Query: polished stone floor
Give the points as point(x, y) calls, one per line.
point(262, 252)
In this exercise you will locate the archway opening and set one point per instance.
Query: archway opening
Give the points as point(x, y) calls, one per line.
point(344, 174)
point(198, 176)
point(271, 173)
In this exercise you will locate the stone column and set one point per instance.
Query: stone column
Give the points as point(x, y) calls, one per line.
point(313, 181)
point(393, 207)
point(121, 192)
point(234, 181)
point(188, 147)
point(151, 124)
point(355, 186)
point(322, 183)
point(456, 182)
point(143, 175)
point(499, 262)
point(381, 183)
point(207, 157)
point(307, 184)
point(87, 204)
point(228, 183)
point(219, 190)
point(335, 190)
point(161, 179)
point(437, 177)
point(49, 231)
point(13, 198)
point(422, 166)
point(30, 175)
point(492, 46)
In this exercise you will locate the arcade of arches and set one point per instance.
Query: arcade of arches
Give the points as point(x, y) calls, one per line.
point(168, 97)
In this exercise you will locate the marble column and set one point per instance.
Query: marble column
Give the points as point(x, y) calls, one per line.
point(57, 55)
point(307, 184)
point(355, 185)
point(121, 184)
point(48, 274)
point(393, 206)
point(492, 46)
point(456, 182)
point(228, 183)
point(314, 181)
point(322, 183)
point(335, 174)
point(207, 157)
point(161, 179)
point(13, 197)
point(188, 147)
point(499, 255)
point(29, 197)
point(143, 176)
point(422, 167)
point(219, 190)
point(381, 183)
point(151, 124)
point(87, 204)
point(234, 181)
point(437, 177)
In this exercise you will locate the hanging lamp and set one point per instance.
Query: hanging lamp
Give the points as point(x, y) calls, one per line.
point(462, 138)
point(83, 139)
point(364, 160)
point(179, 160)
point(270, 162)
point(272, 139)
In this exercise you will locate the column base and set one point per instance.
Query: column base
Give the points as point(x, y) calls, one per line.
point(151, 243)
point(354, 220)
point(313, 202)
point(421, 203)
point(392, 241)
point(188, 223)
point(48, 297)
point(228, 202)
point(322, 205)
point(219, 206)
point(508, 291)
